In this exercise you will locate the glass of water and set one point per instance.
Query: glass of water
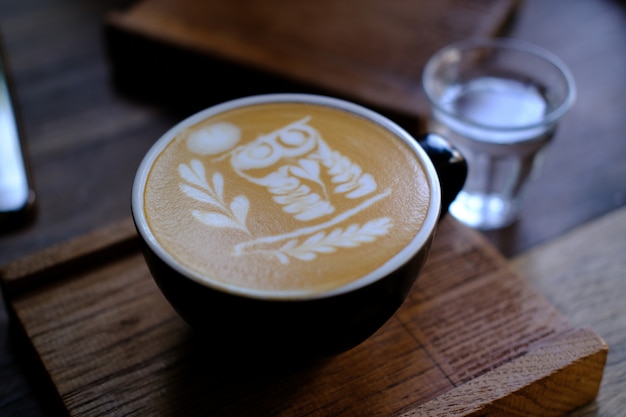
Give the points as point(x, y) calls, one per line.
point(498, 101)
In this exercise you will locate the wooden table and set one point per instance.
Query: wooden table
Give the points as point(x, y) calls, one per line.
point(86, 139)
point(582, 274)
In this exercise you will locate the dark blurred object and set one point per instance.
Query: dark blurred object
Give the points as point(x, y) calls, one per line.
point(17, 197)
point(451, 167)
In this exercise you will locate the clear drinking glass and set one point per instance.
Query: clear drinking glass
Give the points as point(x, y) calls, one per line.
point(498, 101)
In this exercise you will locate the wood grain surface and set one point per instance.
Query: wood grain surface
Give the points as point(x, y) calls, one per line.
point(86, 136)
point(591, 258)
point(369, 51)
point(473, 337)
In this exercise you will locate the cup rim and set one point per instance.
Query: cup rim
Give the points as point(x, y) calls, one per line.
point(503, 43)
point(417, 244)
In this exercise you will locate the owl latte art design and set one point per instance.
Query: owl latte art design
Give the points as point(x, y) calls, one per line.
point(289, 191)
point(297, 158)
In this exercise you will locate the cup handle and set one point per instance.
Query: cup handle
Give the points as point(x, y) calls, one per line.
point(450, 165)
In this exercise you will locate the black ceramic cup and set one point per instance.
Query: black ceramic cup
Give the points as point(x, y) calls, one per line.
point(290, 225)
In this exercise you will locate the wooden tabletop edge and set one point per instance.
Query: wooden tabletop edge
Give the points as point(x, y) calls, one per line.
point(35, 268)
point(572, 360)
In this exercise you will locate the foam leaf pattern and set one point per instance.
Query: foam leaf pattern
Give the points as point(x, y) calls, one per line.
point(323, 242)
point(239, 207)
point(198, 195)
point(349, 178)
point(218, 185)
point(309, 170)
point(215, 219)
point(193, 173)
point(233, 215)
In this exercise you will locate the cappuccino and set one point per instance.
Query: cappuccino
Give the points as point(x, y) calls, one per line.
point(284, 199)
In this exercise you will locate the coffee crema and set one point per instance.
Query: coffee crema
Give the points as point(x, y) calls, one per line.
point(285, 197)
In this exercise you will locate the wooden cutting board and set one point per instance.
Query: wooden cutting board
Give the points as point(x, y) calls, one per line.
point(472, 339)
point(368, 51)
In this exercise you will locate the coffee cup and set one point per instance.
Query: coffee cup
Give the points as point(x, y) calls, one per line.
point(290, 225)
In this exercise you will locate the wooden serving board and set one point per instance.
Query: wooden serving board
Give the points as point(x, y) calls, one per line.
point(472, 339)
point(368, 51)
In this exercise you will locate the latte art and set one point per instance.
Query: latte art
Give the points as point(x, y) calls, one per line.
point(296, 154)
point(285, 197)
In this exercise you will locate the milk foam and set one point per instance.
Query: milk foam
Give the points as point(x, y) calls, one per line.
point(285, 197)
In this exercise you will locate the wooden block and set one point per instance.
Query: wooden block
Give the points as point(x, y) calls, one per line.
point(519, 387)
point(68, 256)
point(472, 339)
point(368, 51)
point(582, 274)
